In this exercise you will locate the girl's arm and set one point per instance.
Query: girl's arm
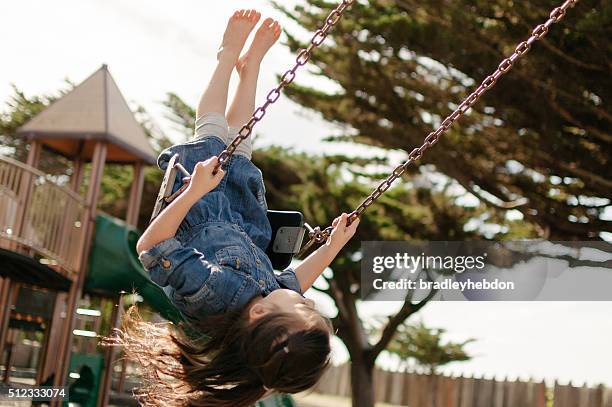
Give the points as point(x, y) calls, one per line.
point(312, 267)
point(165, 225)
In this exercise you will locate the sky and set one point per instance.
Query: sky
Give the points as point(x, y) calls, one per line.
point(151, 48)
point(155, 47)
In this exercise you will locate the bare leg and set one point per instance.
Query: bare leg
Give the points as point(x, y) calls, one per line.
point(214, 98)
point(248, 66)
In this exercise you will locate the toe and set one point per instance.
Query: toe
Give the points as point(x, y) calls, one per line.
point(267, 22)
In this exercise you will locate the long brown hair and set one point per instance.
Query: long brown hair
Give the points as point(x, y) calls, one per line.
point(233, 363)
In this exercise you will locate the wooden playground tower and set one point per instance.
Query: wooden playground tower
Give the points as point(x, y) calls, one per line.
point(47, 227)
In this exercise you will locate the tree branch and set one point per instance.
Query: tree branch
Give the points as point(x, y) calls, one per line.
point(337, 296)
point(395, 321)
point(320, 290)
point(503, 205)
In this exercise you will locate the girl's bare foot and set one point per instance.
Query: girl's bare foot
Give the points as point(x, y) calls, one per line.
point(267, 34)
point(239, 27)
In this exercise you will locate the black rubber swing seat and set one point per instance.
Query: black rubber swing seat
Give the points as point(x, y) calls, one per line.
point(287, 235)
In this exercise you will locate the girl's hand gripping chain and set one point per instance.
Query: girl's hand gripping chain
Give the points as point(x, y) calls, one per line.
point(341, 233)
point(202, 180)
point(312, 267)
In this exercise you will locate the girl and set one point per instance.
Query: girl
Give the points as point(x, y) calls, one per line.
point(207, 249)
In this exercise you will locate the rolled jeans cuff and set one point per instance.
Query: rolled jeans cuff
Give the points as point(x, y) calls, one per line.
point(212, 124)
point(215, 124)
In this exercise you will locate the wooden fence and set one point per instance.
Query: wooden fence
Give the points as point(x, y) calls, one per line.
point(415, 390)
point(571, 396)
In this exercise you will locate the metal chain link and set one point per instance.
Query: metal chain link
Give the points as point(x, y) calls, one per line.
point(319, 236)
point(302, 58)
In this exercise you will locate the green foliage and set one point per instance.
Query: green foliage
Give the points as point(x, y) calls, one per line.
point(18, 111)
point(539, 141)
point(180, 114)
point(117, 179)
point(115, 189)
point(425, 346)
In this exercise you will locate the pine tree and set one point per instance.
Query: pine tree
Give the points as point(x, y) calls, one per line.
point(539, 142)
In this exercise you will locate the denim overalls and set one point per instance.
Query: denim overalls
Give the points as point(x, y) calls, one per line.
point(217, 260)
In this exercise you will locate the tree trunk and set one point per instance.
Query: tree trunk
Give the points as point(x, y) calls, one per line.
point(362, 383)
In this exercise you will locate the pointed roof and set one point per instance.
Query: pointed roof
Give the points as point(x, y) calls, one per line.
point(94, 110)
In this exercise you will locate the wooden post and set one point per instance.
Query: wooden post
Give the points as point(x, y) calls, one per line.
point(5, 312)
point(76, 179)
point(121, 383)
point(56, 324)
point(133, 211)
point(34, 153)
point(8, 361)
point(135, 195)
point(25, 190)
point(76, 288)
point(40, 372)
point(13, 290)
point(109, 356)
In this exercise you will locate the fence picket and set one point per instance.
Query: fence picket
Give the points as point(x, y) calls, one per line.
point(420, 390)
point(498, 394)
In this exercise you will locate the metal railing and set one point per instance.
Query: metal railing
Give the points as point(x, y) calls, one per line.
point(39, 217)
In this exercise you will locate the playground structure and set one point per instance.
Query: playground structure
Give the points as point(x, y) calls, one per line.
point(63, 263)
point(53, 240)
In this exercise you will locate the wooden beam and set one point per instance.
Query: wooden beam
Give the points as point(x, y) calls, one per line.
point(88, 224)
point(109, 356)
point(121, 383)
point(13, 291)
point(76, 179)
point(51, 339)
point(34, 154)
point(25, 189)
point(135, 195)
point(5, 311)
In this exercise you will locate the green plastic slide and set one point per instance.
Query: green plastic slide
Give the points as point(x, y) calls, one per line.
point(114, 266)
point(277, 400)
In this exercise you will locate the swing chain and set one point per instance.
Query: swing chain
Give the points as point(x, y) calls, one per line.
point(432, 138)
point(315, 235)
point(302, 58)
